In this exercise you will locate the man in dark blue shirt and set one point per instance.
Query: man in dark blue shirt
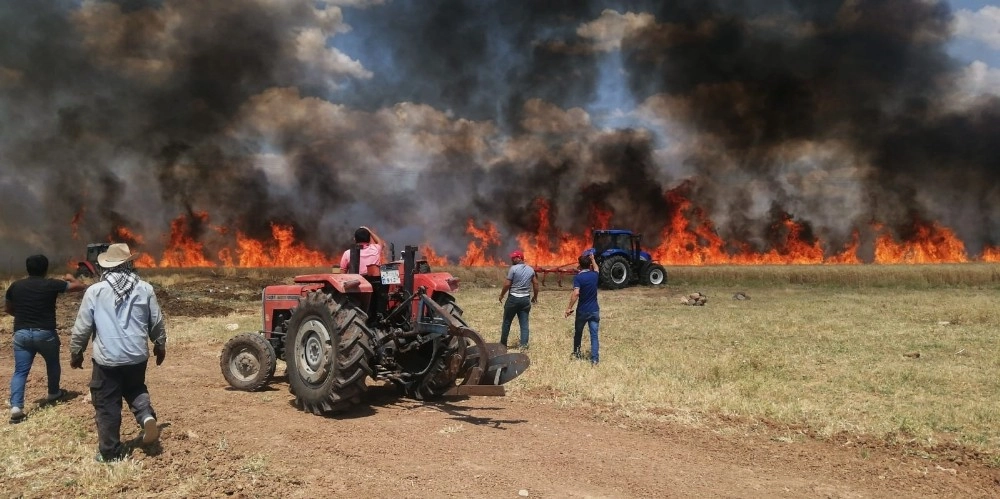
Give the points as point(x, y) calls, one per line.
point(588, 312)
point(32, 302)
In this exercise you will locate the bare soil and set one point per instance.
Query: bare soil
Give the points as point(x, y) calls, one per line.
point(258, 444)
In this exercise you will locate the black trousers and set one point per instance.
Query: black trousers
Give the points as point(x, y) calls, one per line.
point(108, 386)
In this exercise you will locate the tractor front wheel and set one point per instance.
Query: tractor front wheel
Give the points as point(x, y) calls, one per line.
point(615, 272)
point(327, 353)
point(248, 362)
point(654, 275)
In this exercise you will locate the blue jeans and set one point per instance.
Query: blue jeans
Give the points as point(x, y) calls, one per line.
point(28, 342)
point(519, 306)
point(593, 321)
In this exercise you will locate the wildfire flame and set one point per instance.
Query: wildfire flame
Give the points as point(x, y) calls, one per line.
point(483, 240)
point(433, 259)
point(688, 237)
point(931, 243)
point(990, 254)
point(75, 224)
point(282, 251)
point(183, 250)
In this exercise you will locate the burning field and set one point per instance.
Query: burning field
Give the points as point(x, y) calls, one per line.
point(262, 133)
point(773, 149)
point(840, 381)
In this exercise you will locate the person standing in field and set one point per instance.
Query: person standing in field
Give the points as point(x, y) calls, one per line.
point(122, 315)
point(371, 250)
point(521, 288)
point(588, 311)
point(32, 302)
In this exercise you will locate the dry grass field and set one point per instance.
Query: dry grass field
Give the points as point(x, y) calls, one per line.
point(896, 363)
point(900, 353)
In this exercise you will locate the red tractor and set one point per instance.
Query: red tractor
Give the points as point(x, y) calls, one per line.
point(400, 323)
point(88, 267)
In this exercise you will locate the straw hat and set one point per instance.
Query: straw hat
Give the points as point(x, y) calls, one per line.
point(115, 255)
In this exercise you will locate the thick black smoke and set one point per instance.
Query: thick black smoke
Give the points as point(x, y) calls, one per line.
point(872, 76)
point(417, 116)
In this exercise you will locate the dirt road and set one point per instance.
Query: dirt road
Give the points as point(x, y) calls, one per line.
point(218, 441)
point(221, 442)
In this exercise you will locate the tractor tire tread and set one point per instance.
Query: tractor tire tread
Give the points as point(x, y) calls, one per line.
point(262, 350)
point(346, 325)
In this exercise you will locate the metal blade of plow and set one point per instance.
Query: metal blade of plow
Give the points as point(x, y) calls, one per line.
point(504, 368)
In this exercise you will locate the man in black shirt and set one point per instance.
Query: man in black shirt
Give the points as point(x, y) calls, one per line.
point(32, 302)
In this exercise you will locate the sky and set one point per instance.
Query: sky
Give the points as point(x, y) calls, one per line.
point(978, 38)
point(218, 120)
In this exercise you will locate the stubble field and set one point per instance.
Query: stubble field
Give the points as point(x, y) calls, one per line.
point(853, 381)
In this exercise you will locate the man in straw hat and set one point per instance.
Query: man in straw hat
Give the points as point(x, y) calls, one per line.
point(120, 312)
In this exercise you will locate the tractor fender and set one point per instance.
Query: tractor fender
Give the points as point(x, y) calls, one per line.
point(278, 299)
point(281, 298)
point(436, 281)
point(344, 283)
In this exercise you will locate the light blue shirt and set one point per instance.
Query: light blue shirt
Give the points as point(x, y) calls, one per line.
point(520, 279)
point(120, 332)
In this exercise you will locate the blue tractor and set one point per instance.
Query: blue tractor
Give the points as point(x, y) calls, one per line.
point(622, 262)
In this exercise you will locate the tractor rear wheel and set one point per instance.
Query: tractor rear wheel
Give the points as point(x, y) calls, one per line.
point(615, 272)
point(438, 379)
point(654, 275)
point(327, 353)
point(248, 362)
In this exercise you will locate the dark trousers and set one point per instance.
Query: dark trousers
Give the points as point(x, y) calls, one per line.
point(108, 386)
point(519, 306)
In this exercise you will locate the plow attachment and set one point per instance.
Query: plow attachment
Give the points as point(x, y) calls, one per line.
point(477, 367)
point(569, 269)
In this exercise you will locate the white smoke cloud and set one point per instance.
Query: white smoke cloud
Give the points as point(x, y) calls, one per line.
point(146, 43)
point(312, 51)
point(607, 31)
point(542, 117)
point(982, 25)
point(974, 83)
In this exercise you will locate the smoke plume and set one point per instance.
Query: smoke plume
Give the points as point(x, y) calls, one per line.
point(414, 117)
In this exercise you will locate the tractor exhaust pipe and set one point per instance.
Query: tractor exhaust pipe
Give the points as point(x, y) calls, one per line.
point(409, 265)
point(354, 264)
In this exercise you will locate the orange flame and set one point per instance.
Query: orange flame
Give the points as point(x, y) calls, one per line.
point(991, 254)
point(182, 249)
point(75, 224)
point(931, 243)
point(433, 259)
point(688, 237)
point(538, 248)
point(850, 253)
point(283, 251)
point(483, 241)
point(123, 234)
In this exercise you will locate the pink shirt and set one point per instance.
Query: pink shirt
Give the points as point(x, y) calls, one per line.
point(371, 254)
